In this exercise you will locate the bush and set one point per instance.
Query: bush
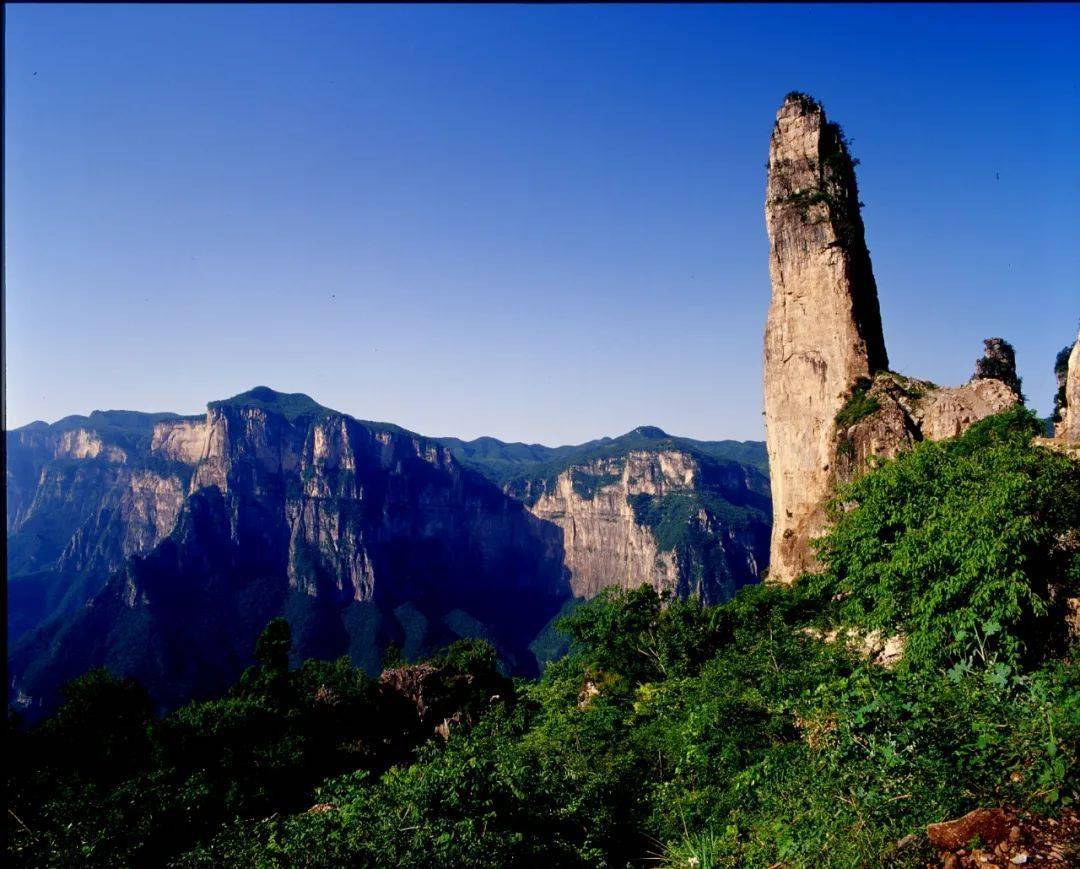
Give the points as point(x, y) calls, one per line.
point(966, 546)
point(858, 406)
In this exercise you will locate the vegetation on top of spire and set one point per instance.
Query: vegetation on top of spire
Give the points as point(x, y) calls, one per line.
point(806, 102)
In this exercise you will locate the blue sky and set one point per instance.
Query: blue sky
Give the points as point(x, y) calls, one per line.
point(538, 223)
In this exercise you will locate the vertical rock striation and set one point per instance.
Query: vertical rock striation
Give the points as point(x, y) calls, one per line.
point(823, 332)
point(159, 545)
point(665, 518)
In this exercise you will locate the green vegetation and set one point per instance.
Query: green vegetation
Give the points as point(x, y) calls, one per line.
point(962, 545)
point(105, 783)
point(859, 406)
point(1061, 370)
point(291, 405)
point(669, 517)
point(731, 735)
point(500, 461)
point(677, 519)
point(586, 485)
point(806, 102)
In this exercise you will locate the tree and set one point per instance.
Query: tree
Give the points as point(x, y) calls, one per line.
point(273, 647)
point(270, 676)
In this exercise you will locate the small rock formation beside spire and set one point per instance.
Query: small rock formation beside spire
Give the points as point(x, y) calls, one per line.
point(831, 402)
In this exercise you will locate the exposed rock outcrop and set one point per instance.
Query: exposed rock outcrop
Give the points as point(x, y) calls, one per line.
point(1007, 837)
point(83, 497)
point(167, 564)
point(901, 411)
point(360, 533)
point(432, 699)
point(998, 363)
point(183, 440)
point(830, 401)
point(988, 825)
point(613, 512)
point(603, 542)
point(82, 444)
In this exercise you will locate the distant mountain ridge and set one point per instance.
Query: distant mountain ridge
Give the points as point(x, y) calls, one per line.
point(503, 462)
point(160, 544)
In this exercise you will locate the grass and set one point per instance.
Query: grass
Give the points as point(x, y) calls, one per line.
point(859, 406)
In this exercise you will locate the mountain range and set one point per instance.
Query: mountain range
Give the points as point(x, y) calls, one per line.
point(160, 545)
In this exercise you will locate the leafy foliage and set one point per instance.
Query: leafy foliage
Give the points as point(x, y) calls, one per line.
point(731, 735)
point(586, 484)
point(966, 546)
point(1061, 371)
point(292, 405)
point(858, 406)
point(806, 102)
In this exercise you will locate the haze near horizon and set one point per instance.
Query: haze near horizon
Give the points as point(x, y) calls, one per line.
point(543, 225)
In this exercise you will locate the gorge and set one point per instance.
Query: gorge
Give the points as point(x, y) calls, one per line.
point(160, 545)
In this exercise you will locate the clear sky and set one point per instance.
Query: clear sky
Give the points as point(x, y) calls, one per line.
point(539, 223)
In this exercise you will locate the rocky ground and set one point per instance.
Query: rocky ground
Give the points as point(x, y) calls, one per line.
point(1000, 837)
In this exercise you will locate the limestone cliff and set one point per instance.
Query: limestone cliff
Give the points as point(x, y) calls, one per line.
point(160, 545)
point(361, 534)
point(181, 440)
point(83, 496)
point(830, 401)
point(661, 514)
point(603, 542)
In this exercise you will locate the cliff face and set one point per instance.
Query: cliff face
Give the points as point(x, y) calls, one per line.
point(83, 496)
point(665, 518)
point(604, 544)
point(183, 440)
point(830, 401)
point(360, 534)
point(160, 546)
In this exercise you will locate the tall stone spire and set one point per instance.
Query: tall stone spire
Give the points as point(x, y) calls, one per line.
point(823, 333)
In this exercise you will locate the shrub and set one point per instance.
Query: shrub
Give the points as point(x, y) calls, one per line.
point(962, 545)
point(858, 406)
